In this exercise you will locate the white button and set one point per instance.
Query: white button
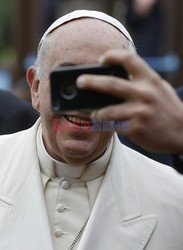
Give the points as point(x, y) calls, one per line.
point(60, 208)
point(58, 233)
point(65, 185)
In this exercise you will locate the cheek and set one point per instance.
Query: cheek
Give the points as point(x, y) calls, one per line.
point(45, 100)
point(105, 138)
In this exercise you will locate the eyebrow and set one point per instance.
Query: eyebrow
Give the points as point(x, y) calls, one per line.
point(66, 64)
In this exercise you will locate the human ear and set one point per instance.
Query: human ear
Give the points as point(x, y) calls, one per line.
point(33, 82)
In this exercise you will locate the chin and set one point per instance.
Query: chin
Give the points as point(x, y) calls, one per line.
point(77, 148)
point(78, 157)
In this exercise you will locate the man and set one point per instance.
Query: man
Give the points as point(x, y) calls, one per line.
point(83, 190)
point(15, 114)
point(144, 18)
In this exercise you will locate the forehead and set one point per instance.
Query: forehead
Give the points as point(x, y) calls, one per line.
point(82, 37)
point(87, 29)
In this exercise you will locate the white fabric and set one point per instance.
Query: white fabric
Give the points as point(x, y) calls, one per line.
point(139, 204)
point(87, 13)
point(79, 195)
point(75, 201)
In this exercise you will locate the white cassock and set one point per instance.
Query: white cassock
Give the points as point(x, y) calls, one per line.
point(70, 194)
point(138, 205)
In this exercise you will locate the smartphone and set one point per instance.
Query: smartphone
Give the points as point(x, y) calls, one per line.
point(66, 97)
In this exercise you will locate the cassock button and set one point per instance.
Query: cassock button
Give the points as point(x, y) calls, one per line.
point(65, 185)
point(60, 208)
point(58, 233)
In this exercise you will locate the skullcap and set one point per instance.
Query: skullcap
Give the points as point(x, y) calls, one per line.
point(87, 13)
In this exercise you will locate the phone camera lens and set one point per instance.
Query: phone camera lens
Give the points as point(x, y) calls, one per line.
point(69, 91)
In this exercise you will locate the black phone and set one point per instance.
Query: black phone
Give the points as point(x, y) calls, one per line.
point(66, 97)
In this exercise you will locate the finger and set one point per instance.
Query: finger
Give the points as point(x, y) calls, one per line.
point(108, 84)
point(120, 123)
point(130, 61)
point(119, 112)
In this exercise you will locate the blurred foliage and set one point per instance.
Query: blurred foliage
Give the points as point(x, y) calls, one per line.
point(7, 52)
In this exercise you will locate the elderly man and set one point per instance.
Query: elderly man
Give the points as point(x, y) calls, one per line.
point(83, 190)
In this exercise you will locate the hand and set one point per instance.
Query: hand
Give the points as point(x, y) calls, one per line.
point(143, 7)
point(154, 111)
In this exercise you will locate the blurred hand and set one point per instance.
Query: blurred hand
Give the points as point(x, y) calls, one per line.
point(143, 7)
point(152, 107)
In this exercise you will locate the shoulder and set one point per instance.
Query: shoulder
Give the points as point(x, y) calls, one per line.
point(150, 189)
point(149, 175)
point(16, 114)
point(9, 100)
point(14, 143)
point(157, 187)
point(18, 156)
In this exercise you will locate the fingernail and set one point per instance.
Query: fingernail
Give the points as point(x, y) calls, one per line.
point(101, 59)
point(80, 81)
